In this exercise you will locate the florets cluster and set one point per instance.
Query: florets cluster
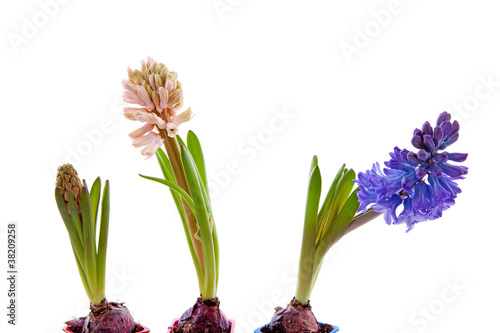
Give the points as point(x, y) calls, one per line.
point(423, 181)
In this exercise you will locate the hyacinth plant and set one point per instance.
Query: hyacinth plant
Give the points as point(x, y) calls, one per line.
point(88, 235)
point(422, 182)
point(159, 95)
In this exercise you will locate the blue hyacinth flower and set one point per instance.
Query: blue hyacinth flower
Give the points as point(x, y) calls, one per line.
point(423, 182)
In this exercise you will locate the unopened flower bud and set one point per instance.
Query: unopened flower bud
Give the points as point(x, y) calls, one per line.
point(68, 183)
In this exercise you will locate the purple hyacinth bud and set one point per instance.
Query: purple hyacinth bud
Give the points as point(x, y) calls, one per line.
point(457, 157)
point(438, 136)
point(441, 158)
point(417, 141)
point(429, 143)
point(422, 155)
point(447, 128)
point(413, 158)
point(404, 154)
point(427, 128)
point(456, 128)
point(444, 116)
point(449, 141)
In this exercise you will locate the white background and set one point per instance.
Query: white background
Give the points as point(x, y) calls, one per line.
point(240, 66)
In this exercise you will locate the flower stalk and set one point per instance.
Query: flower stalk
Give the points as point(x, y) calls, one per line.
point(423, 182)
point(79, 211)
point(160, 95)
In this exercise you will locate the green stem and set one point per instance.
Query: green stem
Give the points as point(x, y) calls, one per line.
point(315, 276)
point(322, 250)
point(361, 219)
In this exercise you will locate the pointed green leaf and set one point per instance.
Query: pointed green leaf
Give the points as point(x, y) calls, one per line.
point(95, 196)
point(70, 226)
point(314, 163)
point(103, 241)
point(179, 141)
point(342, 192)
point(208, 204)
point(168, 174)
point(306, 264)
point(202, 216)
point(331, 192)
point(174, 187)
point(339, 225)
point(89, 245)
point(165, 165)
point(194, 146)
point(83, 277)
point(327, 204)
point(73, 209)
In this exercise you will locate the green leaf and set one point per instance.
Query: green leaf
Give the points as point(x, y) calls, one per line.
point(336, 231)
point(340, 224)
point(81, 271)
point(168, 174)
point(327, 204)
point(203, 218)
point(179, 141)
point(194, 146)
point(342, 192)
point(211, 221)
point(74, 237)
point(89, 246)
point(314, 163)
point(103, 241)
point(165, 165)
point(95, 196)
point(215, 237)
point(312, 205)
point(174, 187)
point(306, 264)
point(73, 209)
